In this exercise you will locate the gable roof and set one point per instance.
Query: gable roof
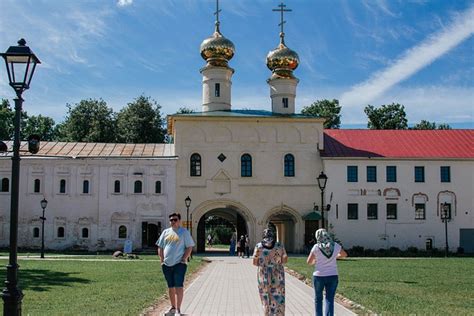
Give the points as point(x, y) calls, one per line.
point(399, 143)
point(97, 150)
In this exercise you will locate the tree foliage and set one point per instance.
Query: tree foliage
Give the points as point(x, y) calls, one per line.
point(6, 120)
point(329, 109)
point(40, 125)
point(185, 110)
point(89, 121)
point(427, 125)
point(140, 122)
point(390, 116)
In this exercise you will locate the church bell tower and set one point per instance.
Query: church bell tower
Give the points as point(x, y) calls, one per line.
point(282, 61)
point(216, 74)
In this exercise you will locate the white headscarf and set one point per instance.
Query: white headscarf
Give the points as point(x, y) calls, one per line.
point(324, 242)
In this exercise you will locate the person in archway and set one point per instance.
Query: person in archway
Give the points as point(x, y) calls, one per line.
point(270, 256)
point(325, 277)
point(241, 246)
point(174, 248)
point(247, 246)
point(232, 245)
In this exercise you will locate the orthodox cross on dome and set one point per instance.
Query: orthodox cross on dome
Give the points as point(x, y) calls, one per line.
point(217, 16)
point(282, 21)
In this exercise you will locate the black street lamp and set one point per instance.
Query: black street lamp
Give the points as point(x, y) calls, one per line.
point(187, 202)
point(21, 64)
point(322, 180)
point(445, 218)
point(43, 203)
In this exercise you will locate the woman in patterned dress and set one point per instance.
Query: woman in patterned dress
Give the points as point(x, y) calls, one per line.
point(269, 256)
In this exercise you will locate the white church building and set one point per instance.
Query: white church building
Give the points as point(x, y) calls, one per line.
point(250, 167)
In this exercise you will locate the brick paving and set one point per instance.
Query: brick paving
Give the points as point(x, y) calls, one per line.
point(228, 286)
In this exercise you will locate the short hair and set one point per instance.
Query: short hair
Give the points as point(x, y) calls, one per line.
point(175, 214)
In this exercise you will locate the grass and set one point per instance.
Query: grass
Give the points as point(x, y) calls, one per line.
point(220, 246)
point(405, 286)
point(74, 287)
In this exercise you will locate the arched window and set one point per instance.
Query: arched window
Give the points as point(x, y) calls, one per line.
point(289, 165)
point(195, 165)
point(85, 187)
point(62, 186)
point(158, 187)
point(117, 186)
point(122, 233)
point(36, 232)
point(85, 233)
point(246, 165)
point(37, 186)
point(5, 185)
point(60, 232)
point(138, 187)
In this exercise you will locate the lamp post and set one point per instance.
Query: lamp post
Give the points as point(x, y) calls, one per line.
point(21, 63)
point(445, 217)
point(187, 202)
point(322, 180)
point(43, 203)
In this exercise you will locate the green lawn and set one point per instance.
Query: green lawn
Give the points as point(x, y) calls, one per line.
point(73, 287)
point(405, 286)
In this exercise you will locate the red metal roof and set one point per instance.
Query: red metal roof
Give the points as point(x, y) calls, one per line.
point(457, 143)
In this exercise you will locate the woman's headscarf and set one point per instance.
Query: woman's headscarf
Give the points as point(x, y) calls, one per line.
point(268, 240)
point(324, 242)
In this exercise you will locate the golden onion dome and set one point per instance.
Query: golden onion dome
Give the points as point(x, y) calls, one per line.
point(217, 50)
point(282, 61)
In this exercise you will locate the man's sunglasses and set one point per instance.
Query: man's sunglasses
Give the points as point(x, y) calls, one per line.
point(174, 219)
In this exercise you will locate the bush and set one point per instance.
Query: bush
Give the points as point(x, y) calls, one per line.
point(356, 251)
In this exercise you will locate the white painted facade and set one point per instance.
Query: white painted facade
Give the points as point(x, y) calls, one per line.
point(101, 211)
point(404, 231)
point(267, 192)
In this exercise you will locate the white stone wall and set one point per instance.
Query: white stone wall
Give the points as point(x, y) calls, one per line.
point(405, 231)
point(268, 191)
point(101, 211)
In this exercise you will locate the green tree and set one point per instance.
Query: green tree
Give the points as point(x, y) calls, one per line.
point(185, 110)
point(89, 121)
point(444, 126)
point(425, 125)
point(430, 125)
point(329, 109)
point(390, 116)
point(40, 125)
point(6, 120)
point(140, 122)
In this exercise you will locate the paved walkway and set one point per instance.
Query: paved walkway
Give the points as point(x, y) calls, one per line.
point(228, 286)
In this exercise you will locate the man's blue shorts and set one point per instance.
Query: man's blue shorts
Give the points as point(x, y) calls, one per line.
point(174, 275)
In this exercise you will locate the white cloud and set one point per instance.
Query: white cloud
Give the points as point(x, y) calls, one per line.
point(124, 3)
point(412, 61)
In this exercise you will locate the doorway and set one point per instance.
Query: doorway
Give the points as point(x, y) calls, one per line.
point(150, 233)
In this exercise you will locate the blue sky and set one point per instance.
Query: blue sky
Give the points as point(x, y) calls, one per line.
point(415, 52)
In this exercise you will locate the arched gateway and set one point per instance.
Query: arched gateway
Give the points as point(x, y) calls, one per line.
point(233, 211)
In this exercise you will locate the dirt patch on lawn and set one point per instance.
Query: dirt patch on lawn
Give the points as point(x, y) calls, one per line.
point(344, 301)
point(162, 304)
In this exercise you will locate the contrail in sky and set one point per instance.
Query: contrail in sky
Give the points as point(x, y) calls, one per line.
point(412, 61)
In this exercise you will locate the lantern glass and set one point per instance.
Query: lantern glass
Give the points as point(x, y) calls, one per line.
point(44, 203)
point(187, 201)
point(322, 180)
point(21, 63)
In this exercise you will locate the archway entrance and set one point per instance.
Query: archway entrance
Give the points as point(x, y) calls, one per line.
point(220, 224)
point(285, 225)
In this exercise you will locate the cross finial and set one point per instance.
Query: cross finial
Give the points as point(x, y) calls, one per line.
point(217, 16)
point(281, 9)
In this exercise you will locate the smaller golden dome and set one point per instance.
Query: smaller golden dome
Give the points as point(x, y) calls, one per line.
point(217, 50)
point(282, 61)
